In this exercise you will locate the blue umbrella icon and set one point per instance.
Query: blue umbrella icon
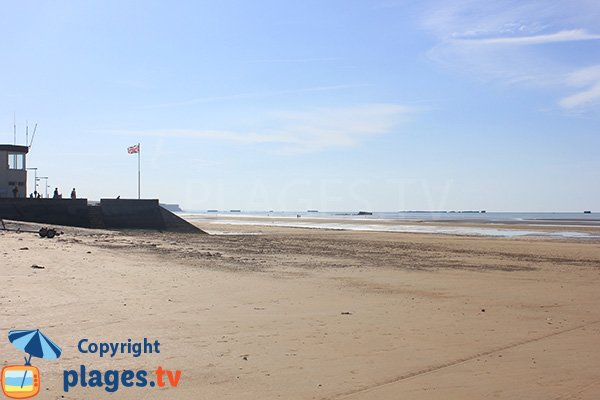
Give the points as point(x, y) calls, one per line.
point(34, 343)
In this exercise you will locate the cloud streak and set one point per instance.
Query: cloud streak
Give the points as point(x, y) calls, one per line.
point(510, 42)
point(296, 60)
point(589, 77)
point(240, 96)
point(562, 36)
point(302, 132)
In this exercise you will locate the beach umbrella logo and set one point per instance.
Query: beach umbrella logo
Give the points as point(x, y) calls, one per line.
point(23, 381)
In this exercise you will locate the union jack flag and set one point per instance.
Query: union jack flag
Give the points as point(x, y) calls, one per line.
point(133, 149)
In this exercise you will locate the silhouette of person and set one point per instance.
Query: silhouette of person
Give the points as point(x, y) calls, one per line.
point(56, 195)
point(15, 191)
point(73, 194)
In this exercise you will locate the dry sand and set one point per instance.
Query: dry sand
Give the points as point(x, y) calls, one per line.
point(308, 314)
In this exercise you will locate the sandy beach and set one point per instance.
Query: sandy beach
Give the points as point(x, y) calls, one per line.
point(290, 313)
point(300, 200)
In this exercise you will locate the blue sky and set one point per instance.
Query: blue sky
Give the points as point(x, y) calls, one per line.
point(329, 105)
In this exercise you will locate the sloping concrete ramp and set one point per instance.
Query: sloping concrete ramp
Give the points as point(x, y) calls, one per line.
point(142, 214)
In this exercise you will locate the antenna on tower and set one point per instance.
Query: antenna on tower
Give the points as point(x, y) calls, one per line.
point(15, 128)
point(26, 132)
point(32, 135)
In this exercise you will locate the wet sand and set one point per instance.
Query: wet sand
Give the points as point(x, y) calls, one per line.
point(487, 227)
point(293, 313)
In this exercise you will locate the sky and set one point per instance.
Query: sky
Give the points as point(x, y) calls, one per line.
point(378, 105)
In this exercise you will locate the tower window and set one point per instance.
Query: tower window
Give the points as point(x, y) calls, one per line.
point(16, 161)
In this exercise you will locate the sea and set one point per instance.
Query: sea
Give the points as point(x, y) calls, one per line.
point(566, 224)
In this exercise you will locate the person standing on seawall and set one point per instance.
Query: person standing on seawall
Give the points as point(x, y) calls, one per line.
point(73, 194)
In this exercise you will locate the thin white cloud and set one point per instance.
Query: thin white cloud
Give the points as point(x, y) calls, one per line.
point(588, 77)
point(562, 36)
point(238, 96)
point(509, 42)
point(584, 76)
point(474, 18)
point(303, 132)
point(296, 60)
point(582, 98)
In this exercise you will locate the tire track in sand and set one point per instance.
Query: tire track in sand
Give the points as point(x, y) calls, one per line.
point(435, 368)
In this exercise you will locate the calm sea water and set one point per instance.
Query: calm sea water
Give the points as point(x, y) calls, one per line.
point(559, 217)
point(384, 222)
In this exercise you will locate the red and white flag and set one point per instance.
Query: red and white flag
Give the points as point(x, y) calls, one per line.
point(133, 149)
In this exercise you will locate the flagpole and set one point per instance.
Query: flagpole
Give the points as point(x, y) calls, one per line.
point(139, 152)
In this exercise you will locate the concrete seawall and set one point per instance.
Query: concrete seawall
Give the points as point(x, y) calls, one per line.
point(47, 211)
point(111, 214)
